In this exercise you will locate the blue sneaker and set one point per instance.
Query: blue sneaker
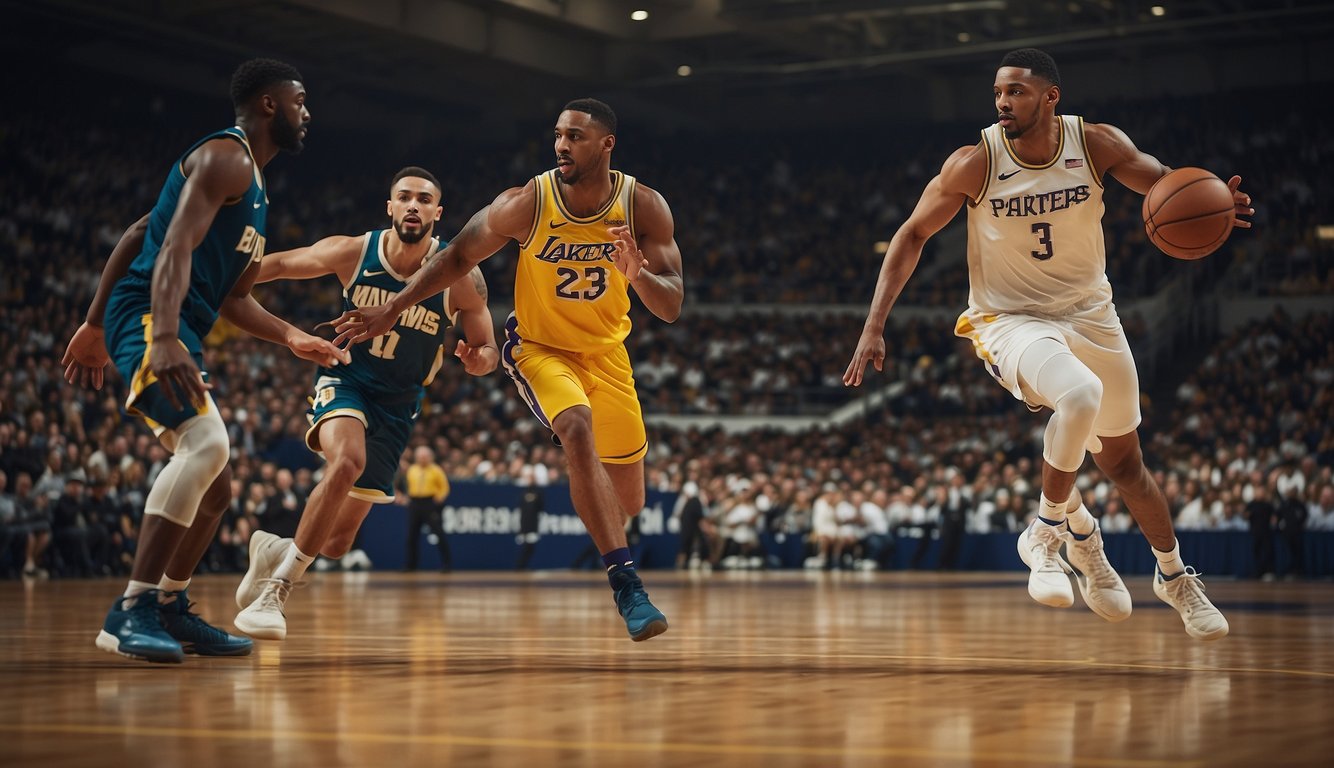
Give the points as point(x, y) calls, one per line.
point(642, 620)
point(197, 635)
point(136, 631)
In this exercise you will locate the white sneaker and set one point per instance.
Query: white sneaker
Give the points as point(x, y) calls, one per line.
point(1104, 592)
point(264, 618)
point(356, 560)
point(1185, 592)
point(1048, 583)
point(266, 554)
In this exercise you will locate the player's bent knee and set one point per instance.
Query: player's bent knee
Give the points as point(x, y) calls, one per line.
point(202, 442)
point(1082, 402)
point(345, 470)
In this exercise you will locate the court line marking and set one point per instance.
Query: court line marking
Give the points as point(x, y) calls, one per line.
point(449, 647)
point(597, 746)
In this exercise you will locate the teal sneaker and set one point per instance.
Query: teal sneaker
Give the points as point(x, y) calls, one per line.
point(196, 635)
point(642, 620)
point(135, 630)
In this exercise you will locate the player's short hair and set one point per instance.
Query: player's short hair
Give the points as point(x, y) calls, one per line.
point(416, 173)
point(251, 78)
point(599, 111)
point(1038, 62)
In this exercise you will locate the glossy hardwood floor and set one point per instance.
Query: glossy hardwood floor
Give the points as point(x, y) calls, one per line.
point(785, 669)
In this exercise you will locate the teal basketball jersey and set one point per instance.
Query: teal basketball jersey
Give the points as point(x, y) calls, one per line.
point(398, 365)
point(234, 240)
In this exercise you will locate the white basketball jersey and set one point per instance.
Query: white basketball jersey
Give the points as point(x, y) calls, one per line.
point(1035, 232)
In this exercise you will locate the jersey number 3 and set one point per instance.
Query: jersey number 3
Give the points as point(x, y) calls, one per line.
point(1043, 231)
point(596, 277)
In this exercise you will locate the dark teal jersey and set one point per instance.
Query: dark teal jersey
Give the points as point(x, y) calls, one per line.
point(398, 365)
point(234, 240)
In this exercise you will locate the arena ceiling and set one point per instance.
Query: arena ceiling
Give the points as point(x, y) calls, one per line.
point(743, 56)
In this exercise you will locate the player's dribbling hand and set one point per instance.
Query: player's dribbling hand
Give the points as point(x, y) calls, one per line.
point(86, 357)
point(870, 349)
point(479, 360)
point(1242, 201)
point(627, 257)
point(363, 324)
point(317, 350)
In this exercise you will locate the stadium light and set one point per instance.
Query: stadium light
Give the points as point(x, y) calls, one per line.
point(964, 37)
point(684, 70)
point(639, 15)
point(1158, 10)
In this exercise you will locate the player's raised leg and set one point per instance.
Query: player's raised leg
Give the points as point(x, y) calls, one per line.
point(342, 438)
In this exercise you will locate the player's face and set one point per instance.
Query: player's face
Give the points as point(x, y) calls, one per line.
point(290, 117)
point(414, 207)
point(1020, 99)
point(580, 146)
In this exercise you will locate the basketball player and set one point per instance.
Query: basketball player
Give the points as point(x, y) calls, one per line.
point(1041, 318)
point(162, 289)
point(581, 227)
point(363, 412)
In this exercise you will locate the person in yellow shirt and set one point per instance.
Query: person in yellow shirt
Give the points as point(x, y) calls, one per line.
point(427, 488)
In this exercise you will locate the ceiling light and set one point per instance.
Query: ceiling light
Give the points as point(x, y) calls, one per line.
point(1158, 10)
point(684, 70)
point(639, 15)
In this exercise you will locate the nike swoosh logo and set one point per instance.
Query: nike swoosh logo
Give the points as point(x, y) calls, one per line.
point(368, 273)
point(554, 225)
point(1005, 176)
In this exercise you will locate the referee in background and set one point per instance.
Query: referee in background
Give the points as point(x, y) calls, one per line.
point(427, 489)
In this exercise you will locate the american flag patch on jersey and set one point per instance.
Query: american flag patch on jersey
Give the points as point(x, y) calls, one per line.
point(1074, 163)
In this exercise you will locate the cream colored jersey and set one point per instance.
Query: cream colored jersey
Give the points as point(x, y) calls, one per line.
point(567, 292)
point(1035, 241)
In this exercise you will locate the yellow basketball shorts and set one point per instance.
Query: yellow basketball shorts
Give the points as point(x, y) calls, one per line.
point(551, 381)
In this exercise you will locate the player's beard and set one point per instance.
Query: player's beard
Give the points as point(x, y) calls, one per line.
point(286, 135)
point(1016, 132)
point(412, 237)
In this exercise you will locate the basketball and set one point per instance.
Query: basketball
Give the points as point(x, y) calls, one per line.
point(1188, 213)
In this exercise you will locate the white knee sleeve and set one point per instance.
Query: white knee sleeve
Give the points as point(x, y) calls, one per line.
point(1072, 391)
point(201, 451)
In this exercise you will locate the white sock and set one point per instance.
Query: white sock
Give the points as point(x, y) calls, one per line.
point(1081, 522)
point(168, 584)
point(1053, 512)
point(294, 564)
point(138, 588)
point(1170, 563)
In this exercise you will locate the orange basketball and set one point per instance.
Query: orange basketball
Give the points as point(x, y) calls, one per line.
point(1188, 213)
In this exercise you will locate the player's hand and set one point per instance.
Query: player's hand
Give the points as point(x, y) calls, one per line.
point(317, 350)
point(627, 257)
point(86, 357)
point(870, 349)
point(358, 325)
point(177, 374)
point(479, 360)
point(1242, 202)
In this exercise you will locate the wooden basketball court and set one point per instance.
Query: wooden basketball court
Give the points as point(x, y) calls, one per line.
point(784, 669)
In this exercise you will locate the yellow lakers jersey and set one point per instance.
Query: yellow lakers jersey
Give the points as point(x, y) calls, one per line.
point(567, 293)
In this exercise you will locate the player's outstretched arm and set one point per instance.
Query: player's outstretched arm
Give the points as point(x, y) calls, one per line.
point(649, 257)
point(508, 217)
point(477, 349)
point(962, 176)
point(1112, 151)
point(241, 309)
point(86, 356)
point(337, 255)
